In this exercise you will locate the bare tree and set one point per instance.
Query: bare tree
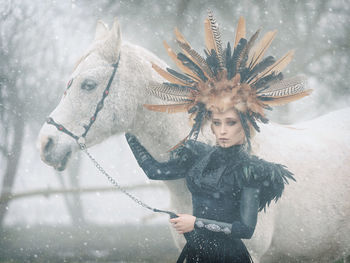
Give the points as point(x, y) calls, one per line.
point(26, 91)
point(11, 113)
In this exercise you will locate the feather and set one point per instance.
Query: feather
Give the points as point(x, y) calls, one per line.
point(198, 120)
point(213, 61)
point(252, 40)
point(170, 92)
point(285, 87)
point(192, 66)
point(171, 108)
point(209, 40)
point(253, 122)
point(260, 118)
point(227, 55)
point(264, 82)
point(237, 57)
point(173, 56)
point(276, 67)
point(190, 52)
point(287, 99)
point(242, 60)
point(180, 76)
point(258, 51)
point(179, 144)
point(240, 31)
point(245, 126)
point(266, 62)
point(170, 77)
point(216, 36)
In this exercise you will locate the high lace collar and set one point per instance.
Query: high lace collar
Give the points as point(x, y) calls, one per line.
point(229, 152)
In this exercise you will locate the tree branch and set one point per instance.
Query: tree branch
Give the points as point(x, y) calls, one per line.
point(40, 192)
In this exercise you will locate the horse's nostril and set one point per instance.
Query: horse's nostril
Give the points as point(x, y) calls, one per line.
point(48, 145)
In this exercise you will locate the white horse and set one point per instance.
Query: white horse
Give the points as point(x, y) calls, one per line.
point(310, 222)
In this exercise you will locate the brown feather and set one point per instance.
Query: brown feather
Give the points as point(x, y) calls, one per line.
point(178, 62)
point(284, 100)
point(171, 108)
point(209, 38)
point(276, 67)
point(169, 77)
point(285, 87)
point(240, 31)
point(191, 53)
point(252, 40)
point(258, 51)
point(246, 50)
point(179, 144)
point(216, 36)
point(170, 93)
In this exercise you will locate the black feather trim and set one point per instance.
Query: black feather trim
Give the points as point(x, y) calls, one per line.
point(269, 177)
point(179, 75)
point(253, 122)
point(198, 120)
point(278, 78)
point(264, 81)
point(266, 62)
point(228, 57)
point(192, 66)
point(243, 119)
point(233, 66)
point(260, 118)
point(213, 61)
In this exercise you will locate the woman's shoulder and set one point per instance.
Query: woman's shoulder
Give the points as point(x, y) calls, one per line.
point(269, 177)
point(191, 148)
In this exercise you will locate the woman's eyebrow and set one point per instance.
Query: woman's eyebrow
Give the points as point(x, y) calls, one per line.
point(231, 119)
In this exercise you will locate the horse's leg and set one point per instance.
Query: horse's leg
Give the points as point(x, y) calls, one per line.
point(262, 238)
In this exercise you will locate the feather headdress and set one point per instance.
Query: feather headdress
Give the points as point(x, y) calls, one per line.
point(238, 77)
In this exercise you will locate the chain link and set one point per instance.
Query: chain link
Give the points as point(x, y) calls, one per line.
point(113, 181)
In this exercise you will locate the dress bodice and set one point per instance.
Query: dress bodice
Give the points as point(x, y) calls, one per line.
point(215, 194)
point(215, 177)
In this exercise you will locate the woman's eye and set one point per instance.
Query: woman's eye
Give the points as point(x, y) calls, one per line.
point(88, 84)
point(231, 123)
point(216, 123)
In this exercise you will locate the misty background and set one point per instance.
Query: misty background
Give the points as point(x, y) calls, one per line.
point(76, 215)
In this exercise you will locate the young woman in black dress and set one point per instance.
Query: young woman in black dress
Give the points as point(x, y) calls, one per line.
point(229, 186)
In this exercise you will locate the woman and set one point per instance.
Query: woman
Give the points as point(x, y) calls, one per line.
point(228, 188)
point(228, 185)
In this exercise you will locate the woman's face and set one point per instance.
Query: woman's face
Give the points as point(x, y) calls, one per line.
point(227, 128)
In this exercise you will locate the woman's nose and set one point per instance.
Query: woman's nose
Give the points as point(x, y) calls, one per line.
point(223, 129)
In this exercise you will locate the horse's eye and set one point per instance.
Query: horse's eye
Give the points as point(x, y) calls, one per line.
point(88, 84)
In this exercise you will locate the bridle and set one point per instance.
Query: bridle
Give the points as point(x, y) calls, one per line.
point(99, 107)
point(81, 142)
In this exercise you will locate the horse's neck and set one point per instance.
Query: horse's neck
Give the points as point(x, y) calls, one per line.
point(158, 132)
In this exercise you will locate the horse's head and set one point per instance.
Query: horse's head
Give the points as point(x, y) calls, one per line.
point(85, 90)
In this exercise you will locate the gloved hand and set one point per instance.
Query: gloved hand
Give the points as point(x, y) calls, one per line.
point(141, 154)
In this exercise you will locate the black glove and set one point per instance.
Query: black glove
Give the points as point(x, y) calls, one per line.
point(170, 170)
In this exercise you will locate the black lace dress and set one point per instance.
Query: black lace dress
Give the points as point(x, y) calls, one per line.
point(228, 188)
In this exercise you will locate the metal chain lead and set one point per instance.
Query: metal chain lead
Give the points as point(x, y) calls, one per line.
point(113, 181)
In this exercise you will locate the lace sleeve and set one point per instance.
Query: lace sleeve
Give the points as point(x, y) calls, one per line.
point(244, 228)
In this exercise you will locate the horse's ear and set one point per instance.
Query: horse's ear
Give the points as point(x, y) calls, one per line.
point(111, 47)
point(101, 30)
